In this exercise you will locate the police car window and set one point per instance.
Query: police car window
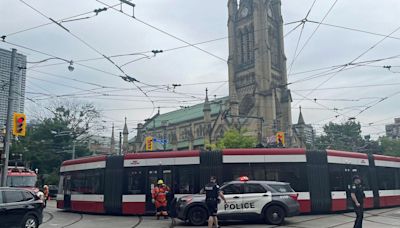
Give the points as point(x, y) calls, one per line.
point(13, 196)
point(254, 188)
point(232, 189)
point(283, 188)
point(28, 196)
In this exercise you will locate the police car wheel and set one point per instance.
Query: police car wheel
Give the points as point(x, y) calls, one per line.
point(275, 215)
point(197, 216)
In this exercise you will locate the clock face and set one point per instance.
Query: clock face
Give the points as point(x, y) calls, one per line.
point(244, 12)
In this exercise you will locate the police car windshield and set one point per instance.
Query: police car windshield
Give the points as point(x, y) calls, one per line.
point(282, 188)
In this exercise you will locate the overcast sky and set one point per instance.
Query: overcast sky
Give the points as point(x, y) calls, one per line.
point(194, 21)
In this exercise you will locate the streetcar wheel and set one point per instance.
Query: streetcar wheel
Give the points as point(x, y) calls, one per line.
point(275, 215)
point(29, 221)
point(197, 216)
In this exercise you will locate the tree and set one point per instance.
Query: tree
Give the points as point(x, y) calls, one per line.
point(389, 146)
point(236, 139)
point(345, 136)
point(49, 140)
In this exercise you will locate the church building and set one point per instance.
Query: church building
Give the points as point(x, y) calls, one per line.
point(259, 99)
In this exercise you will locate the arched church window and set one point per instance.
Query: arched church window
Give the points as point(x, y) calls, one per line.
point(248, 46)
point(242, 47)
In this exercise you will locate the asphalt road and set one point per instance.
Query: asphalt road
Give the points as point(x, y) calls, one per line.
point(54, 218)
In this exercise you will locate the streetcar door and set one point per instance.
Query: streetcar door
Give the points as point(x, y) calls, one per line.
point(67, 192)
point(349, 171)
point(152, 177)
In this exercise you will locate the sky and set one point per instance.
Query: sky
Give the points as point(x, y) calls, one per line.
point(364, 34)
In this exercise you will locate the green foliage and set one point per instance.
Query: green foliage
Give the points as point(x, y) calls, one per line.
point(390, 147)
point(236, 139)
point(345, 136)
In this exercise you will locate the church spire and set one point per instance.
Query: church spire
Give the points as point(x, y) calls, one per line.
point(301, 119)
point(112, 147)
point(207, 107)
point(125, 131)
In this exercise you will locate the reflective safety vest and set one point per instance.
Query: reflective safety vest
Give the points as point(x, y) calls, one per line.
point(159, 194)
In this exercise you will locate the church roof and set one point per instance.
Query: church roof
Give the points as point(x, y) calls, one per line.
point(185, 114)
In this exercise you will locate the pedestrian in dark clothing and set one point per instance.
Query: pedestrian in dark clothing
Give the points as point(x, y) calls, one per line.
point(357, 196)
point(213, 191)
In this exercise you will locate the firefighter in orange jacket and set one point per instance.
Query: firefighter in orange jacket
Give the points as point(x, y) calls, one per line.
point(159, 195)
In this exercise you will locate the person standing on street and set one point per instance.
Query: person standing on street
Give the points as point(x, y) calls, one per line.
point(213, 191)
point(159, 195)
point(357, 196)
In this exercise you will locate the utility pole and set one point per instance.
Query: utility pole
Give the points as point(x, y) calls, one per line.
point(8, 121)
point(120, 143)
point(73, 149)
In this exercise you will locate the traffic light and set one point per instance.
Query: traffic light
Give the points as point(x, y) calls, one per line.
point(19, 124)
point(149, 143)
point(280, 138)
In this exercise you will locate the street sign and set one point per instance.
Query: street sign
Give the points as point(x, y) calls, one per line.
point(280, 138)
point(161, 141)
point(149, 143)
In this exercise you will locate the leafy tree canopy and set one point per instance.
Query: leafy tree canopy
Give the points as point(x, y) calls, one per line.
point(390, 147)
point(344, 136)
point(49, 139)
point(236, 139)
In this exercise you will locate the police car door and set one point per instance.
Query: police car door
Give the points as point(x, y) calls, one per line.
point(233, 195)
point(254, 198)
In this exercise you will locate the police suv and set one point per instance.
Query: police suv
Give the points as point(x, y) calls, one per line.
point(268, 200)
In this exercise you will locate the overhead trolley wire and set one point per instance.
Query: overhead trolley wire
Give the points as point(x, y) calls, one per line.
point(165, 32)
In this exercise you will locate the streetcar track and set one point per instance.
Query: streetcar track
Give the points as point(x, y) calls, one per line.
point(75, 222)
point(139, 222)
point(51, 217)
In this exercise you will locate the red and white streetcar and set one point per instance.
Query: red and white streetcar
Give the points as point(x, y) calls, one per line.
point(122, 184)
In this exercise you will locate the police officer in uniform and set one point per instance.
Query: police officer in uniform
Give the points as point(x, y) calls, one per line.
point(212, 193)
point(357, 196)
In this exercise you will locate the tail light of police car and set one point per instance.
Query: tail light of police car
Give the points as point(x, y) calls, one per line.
point(294, 196)
point(187, 199)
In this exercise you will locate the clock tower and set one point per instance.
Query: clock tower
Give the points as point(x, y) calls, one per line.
point(257, 67)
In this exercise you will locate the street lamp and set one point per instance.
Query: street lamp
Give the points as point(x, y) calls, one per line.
point(70, 66)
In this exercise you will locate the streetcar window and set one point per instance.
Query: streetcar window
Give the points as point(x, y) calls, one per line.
point(135, 181)
point(184, 180)
point(387, 178)
point(1, 197)
point(295, 174)
point(87, 182)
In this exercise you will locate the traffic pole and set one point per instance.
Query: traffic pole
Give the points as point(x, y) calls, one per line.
point(8, 121)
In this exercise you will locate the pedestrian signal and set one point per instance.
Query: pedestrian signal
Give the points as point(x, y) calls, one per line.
point(280, 138)
point(149, 143)
point(19, 124)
